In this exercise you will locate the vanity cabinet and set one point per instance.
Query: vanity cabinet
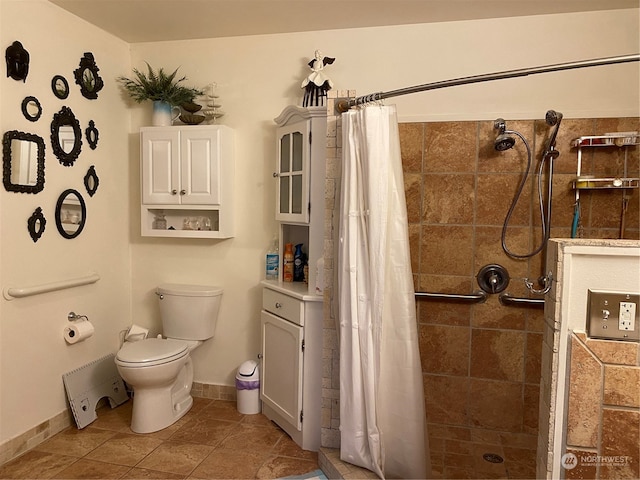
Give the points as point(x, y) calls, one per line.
point(187, 181)
point(291, 389)
point(292, 318)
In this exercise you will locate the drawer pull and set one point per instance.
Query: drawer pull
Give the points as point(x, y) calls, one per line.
point(278, 305)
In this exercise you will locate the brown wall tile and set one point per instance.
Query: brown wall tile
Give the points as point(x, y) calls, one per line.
point(446, 399)
point(497, 354)
point(450, 147)
point(448, 198)
point(496, 405)
point(621, 438)
point(622, 386)
point(444, 349)
point(585, 392)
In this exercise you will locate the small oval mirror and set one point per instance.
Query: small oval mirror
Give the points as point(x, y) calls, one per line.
point(87, 77)
point(36, 224)
point(91, 181)
point(71, 213)
point(60, 87)
point(91, 132)
point(31, 108)
point(66, 136)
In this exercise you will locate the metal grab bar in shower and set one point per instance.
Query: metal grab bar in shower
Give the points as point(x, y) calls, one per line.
point(510, 301)
point(477, 297)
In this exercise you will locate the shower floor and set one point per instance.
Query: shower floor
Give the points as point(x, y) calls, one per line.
point(459, 452)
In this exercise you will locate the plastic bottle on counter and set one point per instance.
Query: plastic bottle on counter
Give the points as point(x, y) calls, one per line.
point(287, 264)
point(273, 260)
point(299, 261)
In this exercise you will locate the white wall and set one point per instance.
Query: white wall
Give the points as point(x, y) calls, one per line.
point(260, 75)
point(33, 354)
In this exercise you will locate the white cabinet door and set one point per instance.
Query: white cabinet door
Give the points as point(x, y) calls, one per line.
point(160, 167)
point(281, 386)
point(200, 166)
point(292, 191)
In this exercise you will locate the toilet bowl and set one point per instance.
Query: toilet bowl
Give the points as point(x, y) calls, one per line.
point(160, 370)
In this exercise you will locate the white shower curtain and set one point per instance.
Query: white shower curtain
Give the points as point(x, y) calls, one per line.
point(382, 417)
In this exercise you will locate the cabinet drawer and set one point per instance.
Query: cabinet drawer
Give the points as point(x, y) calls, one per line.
point(283, 305)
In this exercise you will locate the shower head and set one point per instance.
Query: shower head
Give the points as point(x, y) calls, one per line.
point(503, 141)
point(553, 119)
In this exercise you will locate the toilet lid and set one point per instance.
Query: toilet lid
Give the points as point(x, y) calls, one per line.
point(151, 351)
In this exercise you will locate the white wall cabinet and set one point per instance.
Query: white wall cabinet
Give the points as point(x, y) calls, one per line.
point(187, 178)
point(291, 319)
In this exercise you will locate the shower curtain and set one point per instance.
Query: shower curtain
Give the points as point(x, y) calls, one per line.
point(382, 417)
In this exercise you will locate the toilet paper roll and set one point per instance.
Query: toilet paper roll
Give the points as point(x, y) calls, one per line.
point(78, 331)
point(135, 333)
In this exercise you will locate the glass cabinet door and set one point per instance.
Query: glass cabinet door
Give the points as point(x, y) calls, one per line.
point(293, 173)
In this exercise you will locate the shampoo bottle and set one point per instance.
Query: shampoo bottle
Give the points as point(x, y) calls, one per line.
point(299, 261)
point(273, 260)
point(287, 264)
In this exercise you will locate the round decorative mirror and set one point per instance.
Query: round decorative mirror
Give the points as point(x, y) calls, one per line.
point(87, 77)
point(66, 136)
point(60, 87)
point(71, 213)
point(91, 132)
point(91, 181)
point(31, 108)
point(36, 224)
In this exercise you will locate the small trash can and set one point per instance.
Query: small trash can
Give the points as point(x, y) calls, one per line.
point(248, 387)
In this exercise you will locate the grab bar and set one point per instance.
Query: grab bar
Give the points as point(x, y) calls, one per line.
point(510, 301)
point(11, 293)
point(477, 297)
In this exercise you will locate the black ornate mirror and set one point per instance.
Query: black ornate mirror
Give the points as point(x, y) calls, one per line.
point(60, 87)
point(22, 162)
point(66, 136)
point(31, 108)
point(17, 61)
point(91, 132)
point(36, 224)
point(87, 77)
point(91, 181)
point(71, 213)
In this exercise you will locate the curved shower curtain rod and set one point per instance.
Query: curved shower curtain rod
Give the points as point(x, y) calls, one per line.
point(344, 105)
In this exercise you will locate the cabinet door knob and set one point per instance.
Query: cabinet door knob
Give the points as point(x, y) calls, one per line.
point(174, 192)
point(275, 175)
point(182, 192)
point(278, 305)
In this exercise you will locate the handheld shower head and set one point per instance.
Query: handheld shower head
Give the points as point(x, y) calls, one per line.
point(503, 141)
point(553, 119)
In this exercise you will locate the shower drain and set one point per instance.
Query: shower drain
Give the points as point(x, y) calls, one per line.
point(493, 458)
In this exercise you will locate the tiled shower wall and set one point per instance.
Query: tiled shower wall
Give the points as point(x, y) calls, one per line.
point(481, 363)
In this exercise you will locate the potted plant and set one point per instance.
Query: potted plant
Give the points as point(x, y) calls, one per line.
point(163, 89)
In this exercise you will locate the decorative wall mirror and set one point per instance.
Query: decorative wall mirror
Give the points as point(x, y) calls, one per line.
point(92, 133)
point(36, 224)
point(22, 162)
point(71, 213)
point(87, 77)
point(66, 136)
point(60, 87)
point(17, 61)
point(31, 108)
point(91, 181)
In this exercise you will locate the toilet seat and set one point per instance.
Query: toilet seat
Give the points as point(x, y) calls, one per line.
point(151, 352)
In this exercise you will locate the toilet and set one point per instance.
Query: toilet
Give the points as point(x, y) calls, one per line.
point(160, 370)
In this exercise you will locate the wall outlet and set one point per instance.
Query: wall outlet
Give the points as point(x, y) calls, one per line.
point(627, 316)
point(613, 315)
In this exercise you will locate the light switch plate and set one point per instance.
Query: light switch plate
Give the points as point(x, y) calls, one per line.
point(613, 315)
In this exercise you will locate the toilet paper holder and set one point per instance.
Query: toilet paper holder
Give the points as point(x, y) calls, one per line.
point(72, 317)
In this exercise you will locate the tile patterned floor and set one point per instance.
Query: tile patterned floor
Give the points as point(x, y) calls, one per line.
point(213, 441)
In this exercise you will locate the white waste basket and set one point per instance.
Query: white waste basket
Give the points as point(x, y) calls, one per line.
point(248, 387)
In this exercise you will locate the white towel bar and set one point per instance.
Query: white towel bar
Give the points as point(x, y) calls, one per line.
point(11, 292)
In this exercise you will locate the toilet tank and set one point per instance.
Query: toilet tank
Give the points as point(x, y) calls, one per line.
point(189, 312)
